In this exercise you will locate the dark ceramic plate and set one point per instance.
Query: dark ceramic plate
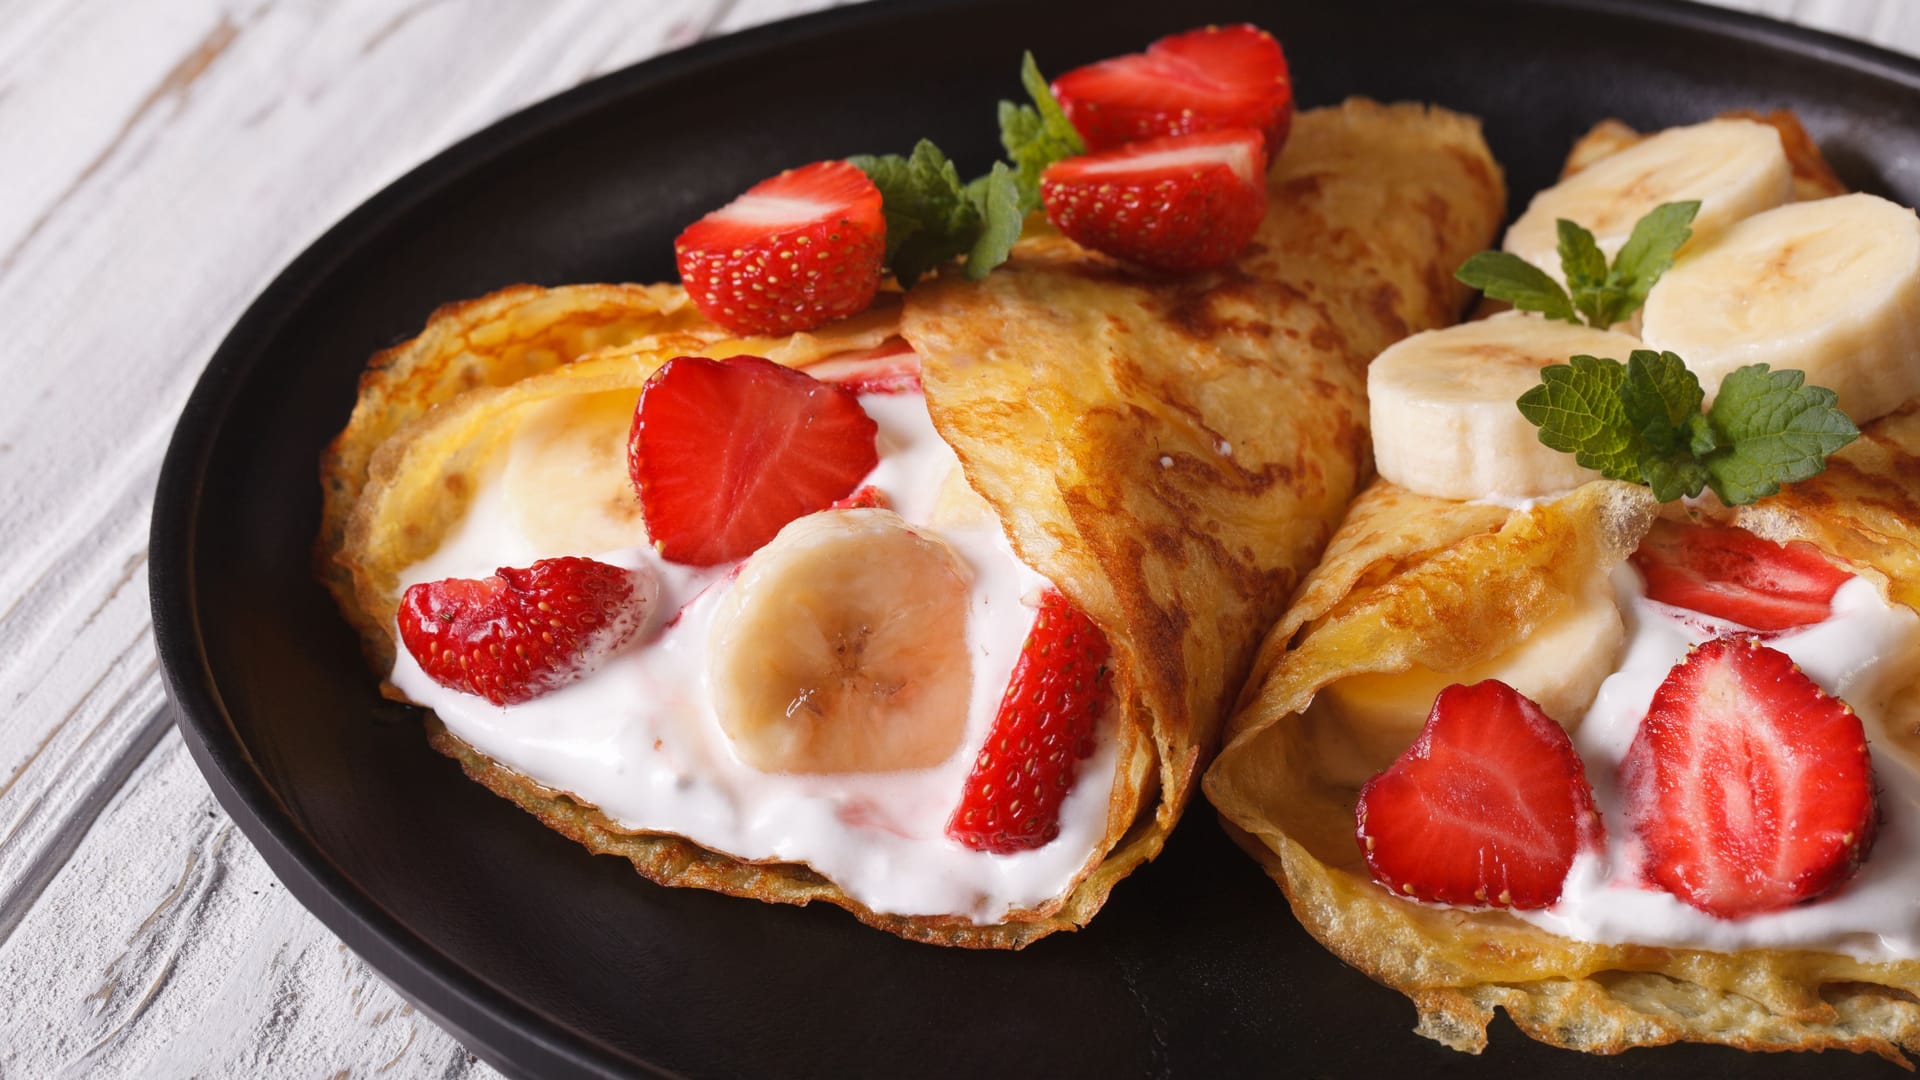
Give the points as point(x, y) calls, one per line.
point(548, 961)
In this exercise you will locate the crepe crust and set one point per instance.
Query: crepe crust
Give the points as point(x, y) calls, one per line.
point(1412, 579)
point(1171, 452)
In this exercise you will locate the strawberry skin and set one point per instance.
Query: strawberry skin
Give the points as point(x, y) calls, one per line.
point(522, 632)
point(1729, 573)
point(795, 252)
point(1059, 690)
point(1750, 788)
point(1181, 203)
point(1489, 805)
point(723, 453)
point(1208, 79)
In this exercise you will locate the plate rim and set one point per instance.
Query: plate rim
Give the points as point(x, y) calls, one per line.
point(486, 1018)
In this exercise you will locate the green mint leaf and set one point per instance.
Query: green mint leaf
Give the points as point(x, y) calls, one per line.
point(1659, 397)
point(996, 198)
point(1648, 253)
point(1772, 430)
point(1036, 135)
point(1577, 408)
point(1584, 266)
point(1503, 275)
point(930, 217)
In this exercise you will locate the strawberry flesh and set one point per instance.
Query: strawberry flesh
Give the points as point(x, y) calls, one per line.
point(1729, 573)
point(724, 453)
point(522, 632)
point(795, 252)
point(891, 368)
point(1208, 79)
point(1750, 788)
point(1182, 203)
point(1058, 692)
point(1489, 805)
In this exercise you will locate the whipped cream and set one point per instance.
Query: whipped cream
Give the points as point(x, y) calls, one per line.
point(639, 738)
point(1865, 653)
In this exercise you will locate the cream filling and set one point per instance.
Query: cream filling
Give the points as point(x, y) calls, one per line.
point(639, 739)
point(1865, 654)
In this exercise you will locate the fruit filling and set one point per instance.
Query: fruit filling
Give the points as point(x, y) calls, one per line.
point(1746, 758)
point(802, 638)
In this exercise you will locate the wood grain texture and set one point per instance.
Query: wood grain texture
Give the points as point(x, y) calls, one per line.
point(159, 162)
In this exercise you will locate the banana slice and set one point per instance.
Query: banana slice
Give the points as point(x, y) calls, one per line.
point(1736, 168)
point(566, 476)
point(1561, 667)
point(957, 505)
point(1443, 413)
point(1831, 287)
point(842, 647)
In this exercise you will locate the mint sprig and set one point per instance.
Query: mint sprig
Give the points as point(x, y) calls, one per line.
point(1601, 294)
point(932, 216)
point(1641, 422)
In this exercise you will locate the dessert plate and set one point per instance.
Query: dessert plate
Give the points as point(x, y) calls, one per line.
point(547, 961)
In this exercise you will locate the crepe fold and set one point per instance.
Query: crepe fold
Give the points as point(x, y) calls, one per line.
point(1171, 452)
point(1448, 585)
point(1174, 453)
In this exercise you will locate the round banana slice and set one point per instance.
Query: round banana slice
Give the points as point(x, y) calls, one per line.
point(1443, 413)
point(1829, 287)
point(1736, 168)
point(842, 647)
point(1560, 666)
point(566, 476)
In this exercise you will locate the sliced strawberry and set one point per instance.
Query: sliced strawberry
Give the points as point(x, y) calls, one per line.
point(1059, 689)
point(1181, 203)
point(1208, 79)
point(891, 368)
point(1731, 574)
point(1750, 788)
point(723, 453)
point(520, 633)
point(867, 497)
point(1487, 807)
point(793, 253)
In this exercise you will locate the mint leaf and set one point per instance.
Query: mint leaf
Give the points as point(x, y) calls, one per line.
point(1036, 135)
point(1648, 253)
point(1773, 430)
point(1582, 262)
point(996, 198)
point(1503, 275)
point(1578, 409)
point(1659, 397)
point(930, 219)
point(1641, 422)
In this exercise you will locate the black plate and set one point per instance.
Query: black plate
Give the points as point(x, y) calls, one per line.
point(546, 960)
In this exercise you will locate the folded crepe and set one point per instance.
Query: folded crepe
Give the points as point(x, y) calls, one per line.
point(1172, 453)
point(1449, 586)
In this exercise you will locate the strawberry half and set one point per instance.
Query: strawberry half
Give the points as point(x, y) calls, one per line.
point(1729, 573)
point(723, 453)
point(793, 253)
point(1208, 79)
point(1186, 202)
point(1750, 788)
point(521, 633)
point(1487, 807)
point(1059, 689)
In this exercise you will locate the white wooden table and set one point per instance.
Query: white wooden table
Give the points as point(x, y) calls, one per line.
point(160, 160)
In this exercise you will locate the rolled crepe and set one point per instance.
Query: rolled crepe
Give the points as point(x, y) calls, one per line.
point(1172, 453)
point(1450, 586)
point(1415, 580)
